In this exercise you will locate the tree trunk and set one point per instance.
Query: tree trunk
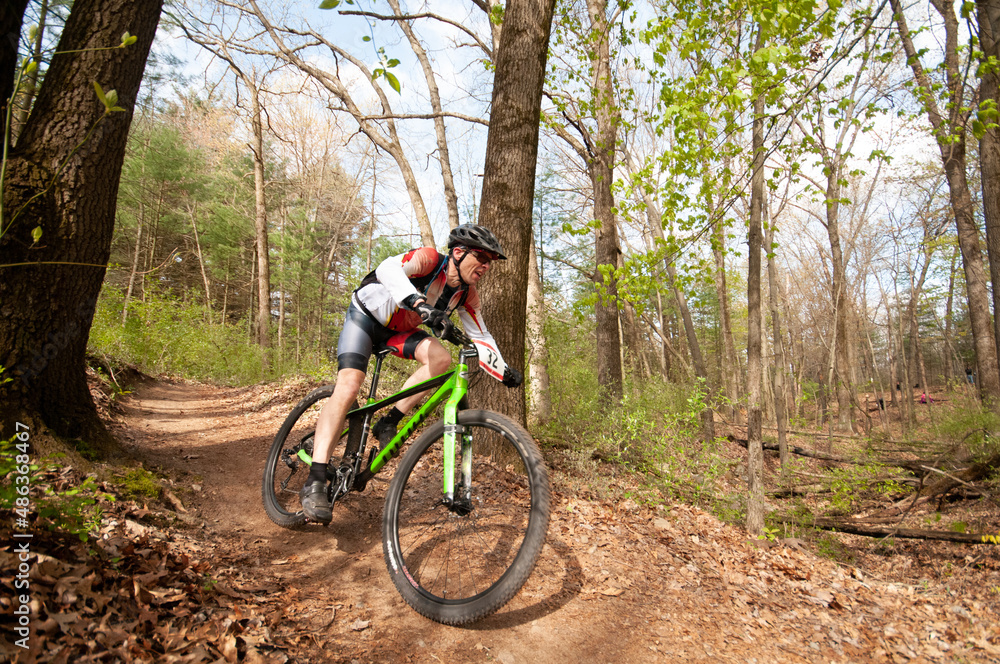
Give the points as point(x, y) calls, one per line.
point(841, 364)
point(11, 18)
point(755, 453)
point(601, 170)
point(779, 351)
point(731, 365)
point(509, 184)
point(26, 95)
point(443, 154)
point(539, 402)
point(193, 213)
point(49, 289)
point(950, 134)
point(262, 332)
point(988, 15)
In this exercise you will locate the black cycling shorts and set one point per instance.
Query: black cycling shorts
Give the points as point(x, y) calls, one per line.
point(362, 334)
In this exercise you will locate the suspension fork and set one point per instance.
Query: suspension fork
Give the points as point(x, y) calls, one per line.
point(457, 437)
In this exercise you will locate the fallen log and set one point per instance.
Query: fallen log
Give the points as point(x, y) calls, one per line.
point(873, 530)
point(914, 465)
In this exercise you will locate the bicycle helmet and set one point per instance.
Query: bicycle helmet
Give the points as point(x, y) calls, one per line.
point(476, 237)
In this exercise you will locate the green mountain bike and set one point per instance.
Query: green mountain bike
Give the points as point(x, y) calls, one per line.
point(467, 508)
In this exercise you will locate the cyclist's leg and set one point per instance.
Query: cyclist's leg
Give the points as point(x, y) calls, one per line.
point(434, 360)
point(354, 348)
point(331, 418)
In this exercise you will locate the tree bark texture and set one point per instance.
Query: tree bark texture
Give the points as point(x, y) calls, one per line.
point(509, 185)
point(63, 177)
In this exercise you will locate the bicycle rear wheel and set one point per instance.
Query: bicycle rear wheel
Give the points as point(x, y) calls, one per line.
point(284, 472)
point(455, 568)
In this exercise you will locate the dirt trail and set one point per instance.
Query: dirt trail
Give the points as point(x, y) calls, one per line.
point(616, 583)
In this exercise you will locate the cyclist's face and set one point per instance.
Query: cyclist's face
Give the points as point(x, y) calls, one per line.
point(475, 265)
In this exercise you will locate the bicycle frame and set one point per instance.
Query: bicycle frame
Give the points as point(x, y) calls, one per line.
point(452, 388)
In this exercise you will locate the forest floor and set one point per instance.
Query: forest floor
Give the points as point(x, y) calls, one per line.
point(203, 575)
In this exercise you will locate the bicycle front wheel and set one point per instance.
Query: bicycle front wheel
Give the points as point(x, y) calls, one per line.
point(452, 565)
point(284, 471)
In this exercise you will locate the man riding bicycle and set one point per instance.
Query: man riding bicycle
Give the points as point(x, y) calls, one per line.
point(418, 287)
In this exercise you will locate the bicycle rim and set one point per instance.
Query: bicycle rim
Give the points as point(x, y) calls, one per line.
point(453, 568)
point(284, 472)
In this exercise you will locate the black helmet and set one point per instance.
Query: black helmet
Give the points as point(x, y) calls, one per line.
point(476, 237)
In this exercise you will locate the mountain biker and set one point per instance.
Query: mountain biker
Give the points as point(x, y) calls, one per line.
point(421, 286)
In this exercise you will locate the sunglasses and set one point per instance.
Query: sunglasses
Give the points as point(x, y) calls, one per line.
point(484, 257)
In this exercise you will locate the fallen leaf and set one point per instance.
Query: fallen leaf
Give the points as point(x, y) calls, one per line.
point(360, 625)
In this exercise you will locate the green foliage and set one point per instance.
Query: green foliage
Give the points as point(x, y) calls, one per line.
point(851, 483)
point(972, 426)
point(165, 335)
point(828, 546)
point(72, 509)
point(138, 484)
point(654, 431)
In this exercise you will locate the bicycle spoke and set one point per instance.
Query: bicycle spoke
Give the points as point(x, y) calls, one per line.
point(461, 555)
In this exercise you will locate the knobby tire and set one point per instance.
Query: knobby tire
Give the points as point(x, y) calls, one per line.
point(282, 504)
point(457, 569)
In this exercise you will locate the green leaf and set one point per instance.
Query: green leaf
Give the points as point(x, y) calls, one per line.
point(392, 63)
point(978, 129)
point(393, 81)
point(36, 234)
point(366, 38)
point(329, 4)
point(100, 94)
point(112, 98)
point(127, 39)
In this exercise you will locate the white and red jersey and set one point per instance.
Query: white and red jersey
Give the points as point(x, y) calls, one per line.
point(423, 272)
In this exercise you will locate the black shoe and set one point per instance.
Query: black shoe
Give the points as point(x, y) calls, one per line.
point(314, 502)
point(384, 432)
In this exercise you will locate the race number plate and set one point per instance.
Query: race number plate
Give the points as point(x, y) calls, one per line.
point(490, 360)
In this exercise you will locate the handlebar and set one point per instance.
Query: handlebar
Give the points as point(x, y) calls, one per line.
point(448, 332)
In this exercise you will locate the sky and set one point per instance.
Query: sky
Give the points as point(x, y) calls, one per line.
point(456, 69)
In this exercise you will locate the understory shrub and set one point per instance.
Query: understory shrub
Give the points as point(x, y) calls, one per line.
point(654, 430)
point(165, 335)
point(971, 428)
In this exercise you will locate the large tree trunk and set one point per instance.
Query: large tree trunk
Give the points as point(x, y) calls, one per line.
point(988, 15)
point(49, 288)
point(950, 134)
point(509, 184)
